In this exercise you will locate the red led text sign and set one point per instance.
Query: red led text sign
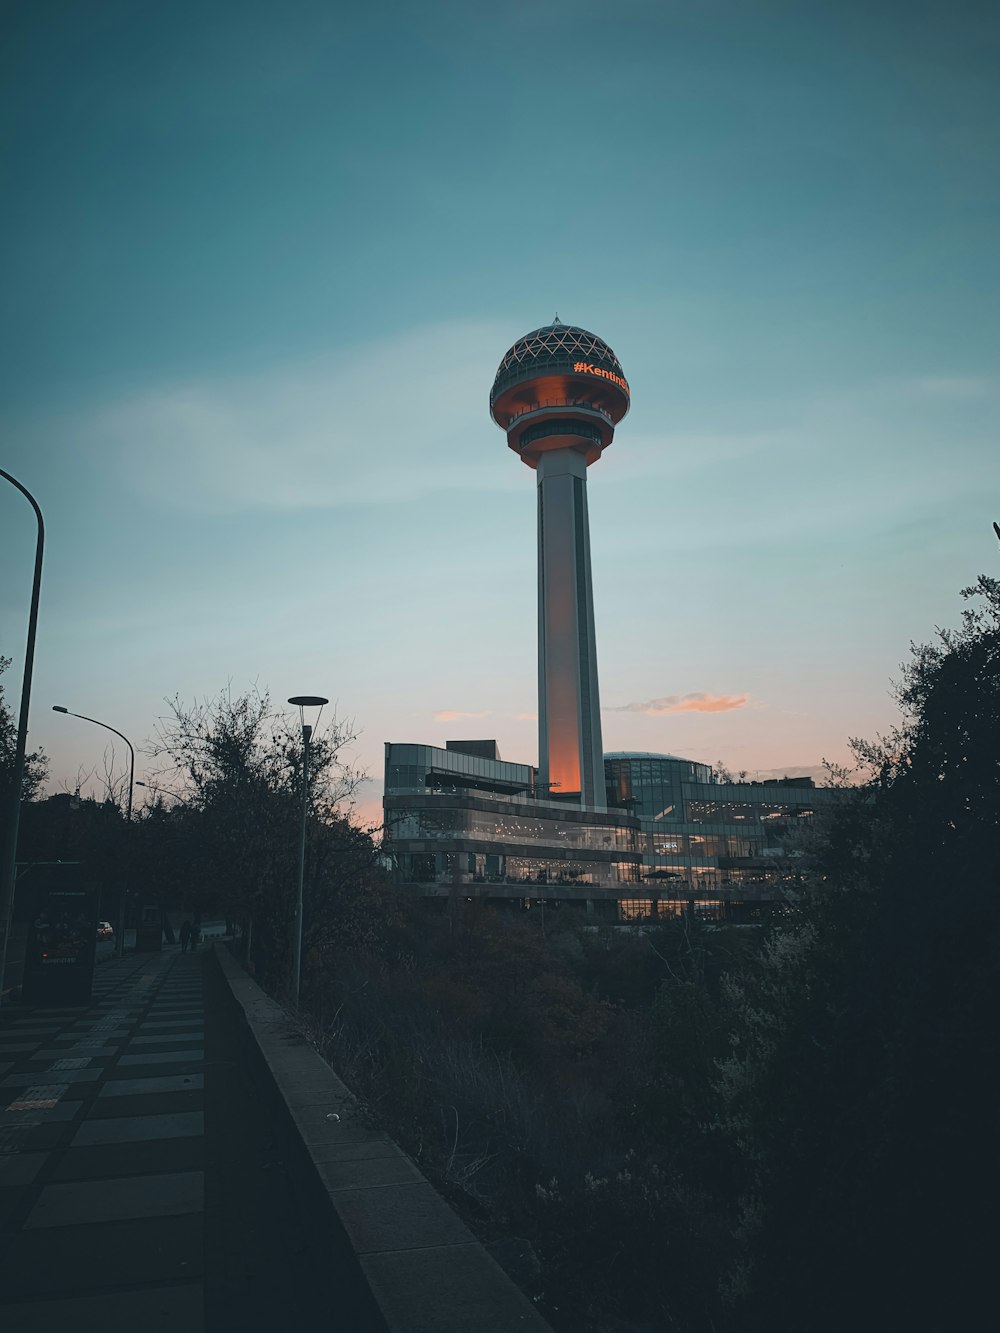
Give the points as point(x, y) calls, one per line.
point(585, 368)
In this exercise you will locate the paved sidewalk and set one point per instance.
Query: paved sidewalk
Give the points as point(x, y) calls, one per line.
point(113, 1214)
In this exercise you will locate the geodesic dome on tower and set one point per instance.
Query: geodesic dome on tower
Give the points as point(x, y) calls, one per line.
point(558, 387)
point(555, 349)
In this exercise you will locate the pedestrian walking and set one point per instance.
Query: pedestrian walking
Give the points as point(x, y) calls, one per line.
point(186, 933)
point(195, 935)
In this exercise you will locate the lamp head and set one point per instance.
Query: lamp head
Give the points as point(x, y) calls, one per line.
point(58, 708)
point(304, 701)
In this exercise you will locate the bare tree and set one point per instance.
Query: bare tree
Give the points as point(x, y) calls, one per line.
point(235, 765)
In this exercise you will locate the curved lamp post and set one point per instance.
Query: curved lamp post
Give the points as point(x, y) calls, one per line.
point(58, 708)
point(302, 702)
point(8, 876)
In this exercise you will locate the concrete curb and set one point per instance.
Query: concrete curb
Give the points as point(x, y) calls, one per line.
point(426, 1271)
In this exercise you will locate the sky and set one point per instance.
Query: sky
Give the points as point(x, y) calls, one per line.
point(260, 263)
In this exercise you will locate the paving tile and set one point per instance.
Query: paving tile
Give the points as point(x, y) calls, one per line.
point(92, 1052)
point(158, 1310)
point(165, 1038)
point(105, 1034)
point(14, 1199)
point(89, 1201)
point(51, 1261)
point(126, 1087)
point(160, 1103)
point(96, 1031)
point(14, 1048)
point(52, 1076)
point(14, 1133)
point(176, 1023)
point(129, 1159)
point(20, 1168)
point(39, 1109)
point(45, 1136)
point(41, 1092)
point(125, 1129)
point(163, 1058)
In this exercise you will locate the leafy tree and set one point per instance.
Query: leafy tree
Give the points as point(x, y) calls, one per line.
point(859, 1100)
point(36, 764)
point(235, 766)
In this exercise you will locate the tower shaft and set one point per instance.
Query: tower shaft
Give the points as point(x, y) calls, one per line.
point(570, 750)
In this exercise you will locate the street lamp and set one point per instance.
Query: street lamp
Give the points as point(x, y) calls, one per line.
point(302, 701)
point(8, 876)
point(58, 708)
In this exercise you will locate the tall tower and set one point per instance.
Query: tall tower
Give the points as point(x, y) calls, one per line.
point(559, 393)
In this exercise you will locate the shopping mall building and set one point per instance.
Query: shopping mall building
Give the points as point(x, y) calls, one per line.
point(460, 820)
point(620, 834)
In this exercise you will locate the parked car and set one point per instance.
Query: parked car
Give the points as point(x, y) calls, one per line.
point(105, 930)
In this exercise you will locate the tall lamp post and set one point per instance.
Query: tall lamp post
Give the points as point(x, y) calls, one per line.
point(58, 708)
point(302, 702)
point(8, 876)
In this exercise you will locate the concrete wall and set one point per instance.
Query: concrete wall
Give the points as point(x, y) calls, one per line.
point(425, 1270)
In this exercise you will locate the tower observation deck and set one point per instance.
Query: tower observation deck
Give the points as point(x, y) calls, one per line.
point(558, 394)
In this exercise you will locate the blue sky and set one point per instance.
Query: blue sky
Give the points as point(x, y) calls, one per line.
point(259, 266)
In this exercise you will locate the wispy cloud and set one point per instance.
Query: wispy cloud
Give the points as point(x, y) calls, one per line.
point(456, 715)
point(526, 717)
point(386, 422)
point(686, 703)
point(956, 386)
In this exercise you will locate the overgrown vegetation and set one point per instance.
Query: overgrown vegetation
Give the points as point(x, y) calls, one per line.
point(718, 1129)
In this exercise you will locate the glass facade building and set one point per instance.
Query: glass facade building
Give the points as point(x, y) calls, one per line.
point(672, 835)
